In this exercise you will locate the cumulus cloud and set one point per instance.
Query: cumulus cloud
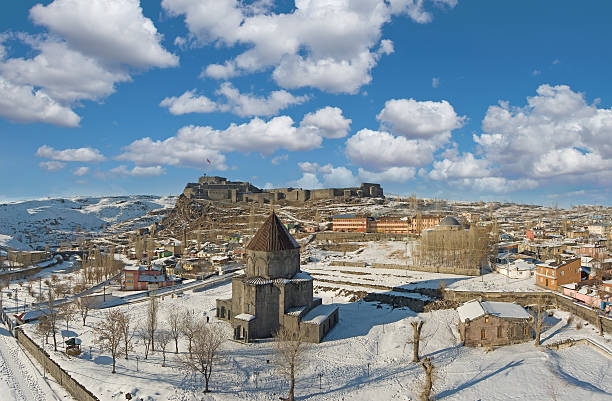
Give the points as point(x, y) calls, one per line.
point(247, 105)
point(52, 165)
point(328, 121)
point(241, 104)
point(278, 159)
point(415, 119)
point(330, 45)
point(466, 166)
point(70, 155)
point(313, 174)
point(81, 171)
point(138, 171)
point(194, 145)
point(115, 31)
point(380, 150)
point(189, 102)
point(23, 103)
point(88, 49)
point(392, 174)
point(498, 184)
point(556, 134)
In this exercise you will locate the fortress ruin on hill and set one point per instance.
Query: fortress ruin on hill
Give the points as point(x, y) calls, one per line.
point(216, 188)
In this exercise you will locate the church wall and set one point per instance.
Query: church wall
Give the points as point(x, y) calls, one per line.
point(266, 312)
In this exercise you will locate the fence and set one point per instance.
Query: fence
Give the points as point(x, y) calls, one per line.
point(76, 389)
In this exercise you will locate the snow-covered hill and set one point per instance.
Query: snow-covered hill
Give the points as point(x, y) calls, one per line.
point(32, 224)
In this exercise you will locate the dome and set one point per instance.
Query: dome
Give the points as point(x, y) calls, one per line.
point(449, 221)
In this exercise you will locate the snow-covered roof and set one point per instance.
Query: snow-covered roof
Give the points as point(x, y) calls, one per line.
point(302, 276)
point(319, 314)
point(474, 309)
point(245, 317)
point(296, 310)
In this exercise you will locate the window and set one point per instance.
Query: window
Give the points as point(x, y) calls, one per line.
point(525, 330)
point(499, 331)
point(483, 334)
point(248, 308)
point(486, 319)
point(562, 272)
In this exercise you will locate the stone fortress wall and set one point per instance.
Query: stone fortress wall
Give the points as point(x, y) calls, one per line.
point(216, 188)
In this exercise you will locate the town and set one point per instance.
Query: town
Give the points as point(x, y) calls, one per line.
point(307, 295)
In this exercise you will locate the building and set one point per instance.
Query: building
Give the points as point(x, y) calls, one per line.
point(139, 277)
point(392, 225)
point(273, 292)
point(594, 251)
point(592, 295)
point(517, 269)
point(483, 323)
point(555, 273)
point(216, 188)
point(352, 223)
point(424, 222)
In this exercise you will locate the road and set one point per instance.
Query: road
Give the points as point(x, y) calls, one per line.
point(19, 379)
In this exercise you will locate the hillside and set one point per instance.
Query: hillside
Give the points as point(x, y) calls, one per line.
point(33, 224)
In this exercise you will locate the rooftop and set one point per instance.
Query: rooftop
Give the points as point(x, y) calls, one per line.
point(475, 309)
point(272, 236)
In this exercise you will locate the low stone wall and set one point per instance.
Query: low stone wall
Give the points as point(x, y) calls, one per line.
point(76, 389)
point(417, 305)
point(335, 236)
point(430, 269)
point(348, 264)
point(570, 342)
point(20, 274)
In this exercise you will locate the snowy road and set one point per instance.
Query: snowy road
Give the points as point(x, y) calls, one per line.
point(19, 380)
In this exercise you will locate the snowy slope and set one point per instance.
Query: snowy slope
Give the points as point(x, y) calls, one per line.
point(32, 224)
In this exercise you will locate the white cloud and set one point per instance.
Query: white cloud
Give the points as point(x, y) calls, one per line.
point(52, 165)
point(189, 102)
point(115, 31)
point(465, 167)
point(193, 145)
point(84, 155)
point(339, 177)
point(22, 103)
point(88, 49)
point(81, 171)
point(556, 134)
point(243, 105)
point(313, 174)
point(327, 44)
point(416, 119)
point(328, 121)
point(278, 159)
point(66, 75)
point(498, 184)
point(379, 150)
point(138, 171)
point(308, 181)
point(435, 82)
point(392, 174)
point(247, 105)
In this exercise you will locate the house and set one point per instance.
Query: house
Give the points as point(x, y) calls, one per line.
point(592, 295)
point(518, 269)
point(273, 292)
point(483, 323)
point(555, 273)
point(140, 277)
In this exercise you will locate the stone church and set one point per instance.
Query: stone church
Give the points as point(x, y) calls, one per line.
point(273, 292)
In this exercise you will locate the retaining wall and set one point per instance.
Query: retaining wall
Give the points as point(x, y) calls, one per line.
point(76, 389)
point(430, 269)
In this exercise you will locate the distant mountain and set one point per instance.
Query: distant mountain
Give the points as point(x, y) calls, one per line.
point(33, 224)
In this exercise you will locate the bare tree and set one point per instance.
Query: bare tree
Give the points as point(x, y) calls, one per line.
point(539, 320)
point(83, 305)
point(175, 326)
point(52, 315)
point(109, 333)
point(43, 329)
point(428, 368)
point(417, 325)
point(205, 348)
point(127, 333)
point(163, 338)
point(290, 354)
point(144, 335)
point(67, 312)
point(190, 327)
point(152, 320)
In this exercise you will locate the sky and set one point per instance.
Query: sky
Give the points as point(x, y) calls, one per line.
point(451, 99)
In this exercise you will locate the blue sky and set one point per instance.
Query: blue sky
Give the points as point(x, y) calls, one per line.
point(448, 99)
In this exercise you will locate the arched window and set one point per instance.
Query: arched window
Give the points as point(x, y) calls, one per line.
point(483, 334)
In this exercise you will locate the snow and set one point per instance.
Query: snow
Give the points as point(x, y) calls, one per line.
point(474, 309)
point(32, 224)
point(245, 316)
point(319, 314)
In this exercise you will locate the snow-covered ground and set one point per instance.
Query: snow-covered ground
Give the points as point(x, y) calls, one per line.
point(33, 224)
point(21, 377)
point(365, 357)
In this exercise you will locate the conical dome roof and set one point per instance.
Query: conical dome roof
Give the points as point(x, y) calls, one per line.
point(272, 236)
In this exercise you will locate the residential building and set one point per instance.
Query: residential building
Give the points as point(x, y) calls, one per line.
point(352, 223)
point(517, 269)
point(140, 277)
point(555, 273)
point(392, 225)
point(483, 323)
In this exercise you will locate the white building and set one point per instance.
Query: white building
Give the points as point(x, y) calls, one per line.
point(519, 269)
